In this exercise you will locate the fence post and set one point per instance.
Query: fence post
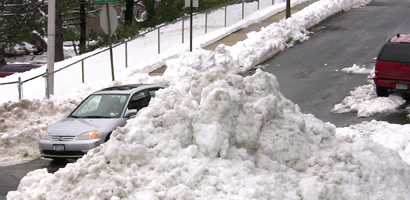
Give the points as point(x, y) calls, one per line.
point(206, 22)
point(243, 9)
point(159, 41)
point(47, 92)
point(126, 55)
point(258, 4)
point(82, 70)
point(287, 9)
point(225, 15)
point(183, 29)
point(273, 2)
point(19, 88)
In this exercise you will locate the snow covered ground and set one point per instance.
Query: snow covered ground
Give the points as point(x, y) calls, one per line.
point(214, 134)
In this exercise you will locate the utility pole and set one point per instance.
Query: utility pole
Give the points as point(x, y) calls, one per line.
point(51, 25)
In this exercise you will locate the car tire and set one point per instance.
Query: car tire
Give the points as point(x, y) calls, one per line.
point(59, 160)
point(108, 137)
point(382, 91)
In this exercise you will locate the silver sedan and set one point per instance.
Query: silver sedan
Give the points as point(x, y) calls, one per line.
point(93, 121)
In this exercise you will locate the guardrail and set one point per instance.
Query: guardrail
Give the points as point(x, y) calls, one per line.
point(244, 4)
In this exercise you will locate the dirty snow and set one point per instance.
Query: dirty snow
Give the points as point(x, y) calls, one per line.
point(365, 102)
point(356, 69)
point(214, 134)
point(22, 123)
point(218, 135)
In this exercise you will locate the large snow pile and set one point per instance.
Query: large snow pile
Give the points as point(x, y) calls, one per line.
point(393, 136)
point(213, 134)
point(217, 135)
point(21, 124)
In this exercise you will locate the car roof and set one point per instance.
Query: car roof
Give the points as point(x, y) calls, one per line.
point(401, 38)
point(127, 89)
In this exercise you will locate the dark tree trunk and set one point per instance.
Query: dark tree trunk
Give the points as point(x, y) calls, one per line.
point(59, 53)
point(83, 34)
point(129, 12)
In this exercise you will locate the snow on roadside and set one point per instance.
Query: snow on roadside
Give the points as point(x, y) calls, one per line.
point(278, 36)
point(21, 124)
point(214, 134)
point(365, 102)
point(356, 69)
point(393, 136)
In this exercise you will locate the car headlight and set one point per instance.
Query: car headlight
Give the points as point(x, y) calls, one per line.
point(45, 136)
point(88, 135)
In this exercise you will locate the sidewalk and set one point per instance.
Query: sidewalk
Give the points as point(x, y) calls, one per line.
point(240, 35)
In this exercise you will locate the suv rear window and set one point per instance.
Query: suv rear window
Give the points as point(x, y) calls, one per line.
point(395, 52)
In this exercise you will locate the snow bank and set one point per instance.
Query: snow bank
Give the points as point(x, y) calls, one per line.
point(216, 135)
point(278, 36)
point(213, 134)
point(393, 136)
point(365, 102)
point(22, 123)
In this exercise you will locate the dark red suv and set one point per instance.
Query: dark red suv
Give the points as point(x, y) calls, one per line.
point(392, 71)
point(10, 69)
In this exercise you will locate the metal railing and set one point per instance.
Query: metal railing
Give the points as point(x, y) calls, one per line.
point(244, 4)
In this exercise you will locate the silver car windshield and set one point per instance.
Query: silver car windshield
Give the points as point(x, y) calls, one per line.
point(101, 106)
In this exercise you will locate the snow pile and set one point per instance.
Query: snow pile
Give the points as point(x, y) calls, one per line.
point(365, 102)
point(356, 69)
point(216, 135)
point(393, 136)
point(21, 124)
point(213, 134)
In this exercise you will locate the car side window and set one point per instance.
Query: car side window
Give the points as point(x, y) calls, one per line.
point(152, 92)
point(138, 101)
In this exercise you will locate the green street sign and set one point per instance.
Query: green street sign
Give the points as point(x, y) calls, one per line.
point(105, 1)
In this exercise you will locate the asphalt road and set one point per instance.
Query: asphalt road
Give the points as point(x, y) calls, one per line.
point(307, 72)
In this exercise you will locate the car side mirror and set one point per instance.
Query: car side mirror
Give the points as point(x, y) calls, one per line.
point(130, 113)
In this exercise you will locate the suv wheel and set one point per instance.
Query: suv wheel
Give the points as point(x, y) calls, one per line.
point(381, 91)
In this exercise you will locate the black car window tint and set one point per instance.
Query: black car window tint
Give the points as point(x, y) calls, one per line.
point(138, 101)
point(12, 68)
point(395, 52)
